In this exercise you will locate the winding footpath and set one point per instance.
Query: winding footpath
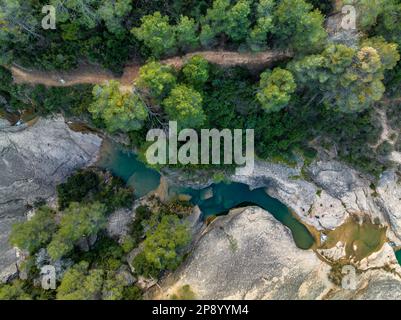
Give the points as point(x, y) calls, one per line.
point(89, 74)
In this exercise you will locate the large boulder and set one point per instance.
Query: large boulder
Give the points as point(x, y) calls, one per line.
point(33, 161)
point(250, 255)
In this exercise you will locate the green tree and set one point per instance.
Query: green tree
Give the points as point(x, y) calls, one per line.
point(388, 52)
point(238, 22)
point(222, 18)
point(157, 34)
point(123, 111)
point(275, 89)
point(264, 25)
point(298, 27)
point(113, 287)
point(14, 291)
point(157, 79)
point(81, 283)
point(113, 13)
point(35, 233)
point(388, 24)
point(77, 223)
point(349, 79)
point(196, 71)
point(184, 105)
point(186, 32)
point(216, 17)
point(162, 247)
point(207, 36)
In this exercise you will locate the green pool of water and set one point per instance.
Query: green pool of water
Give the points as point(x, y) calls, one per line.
point(398, 256)
point(226, 196)
point(125, 164)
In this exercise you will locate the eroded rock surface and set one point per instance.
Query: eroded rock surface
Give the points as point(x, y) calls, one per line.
point(33, 161)
point(250, 255)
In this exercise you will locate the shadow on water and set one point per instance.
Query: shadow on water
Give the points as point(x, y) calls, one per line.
point(217, 199)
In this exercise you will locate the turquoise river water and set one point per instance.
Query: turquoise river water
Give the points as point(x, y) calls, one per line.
point(226, 196)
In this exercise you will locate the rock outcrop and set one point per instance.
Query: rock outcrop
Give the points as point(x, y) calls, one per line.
point(325, 193)
point(33, 161)
point(250, 255)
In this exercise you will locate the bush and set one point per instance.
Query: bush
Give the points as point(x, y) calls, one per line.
point(162, 247)
point(36, 233)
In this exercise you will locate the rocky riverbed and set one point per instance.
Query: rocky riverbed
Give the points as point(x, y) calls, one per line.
point(246, 254)
point(250, 255)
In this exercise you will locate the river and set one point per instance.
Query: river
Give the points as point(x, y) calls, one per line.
point(222, 197)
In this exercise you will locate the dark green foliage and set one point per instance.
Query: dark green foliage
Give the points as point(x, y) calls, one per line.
point(76, 187)
point(384, 149)
point(142, 214)
point(325, 6)
point(90, 185)
point(353, 134)
point(132, 293)
point(43, 100)
point(106, 254)
point(229, 95)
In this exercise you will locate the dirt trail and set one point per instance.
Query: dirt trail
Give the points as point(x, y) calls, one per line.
point(87, 74)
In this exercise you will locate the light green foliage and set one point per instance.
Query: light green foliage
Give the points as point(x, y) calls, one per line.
point(196, 71)
point(14, 291)
point(298, 27)
point(156, 33)
point(184, 105)
point(157, 79)
point(113, 287)
point(184, 293)
point(238, 22)
point(264, 25)
point(388, 52)
point(80, 283)
point(37, 232)
point(187, 38)
point(275, 89)
point(123, 111)
point(78, 222)
point(350, 79)
point(162, 246)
